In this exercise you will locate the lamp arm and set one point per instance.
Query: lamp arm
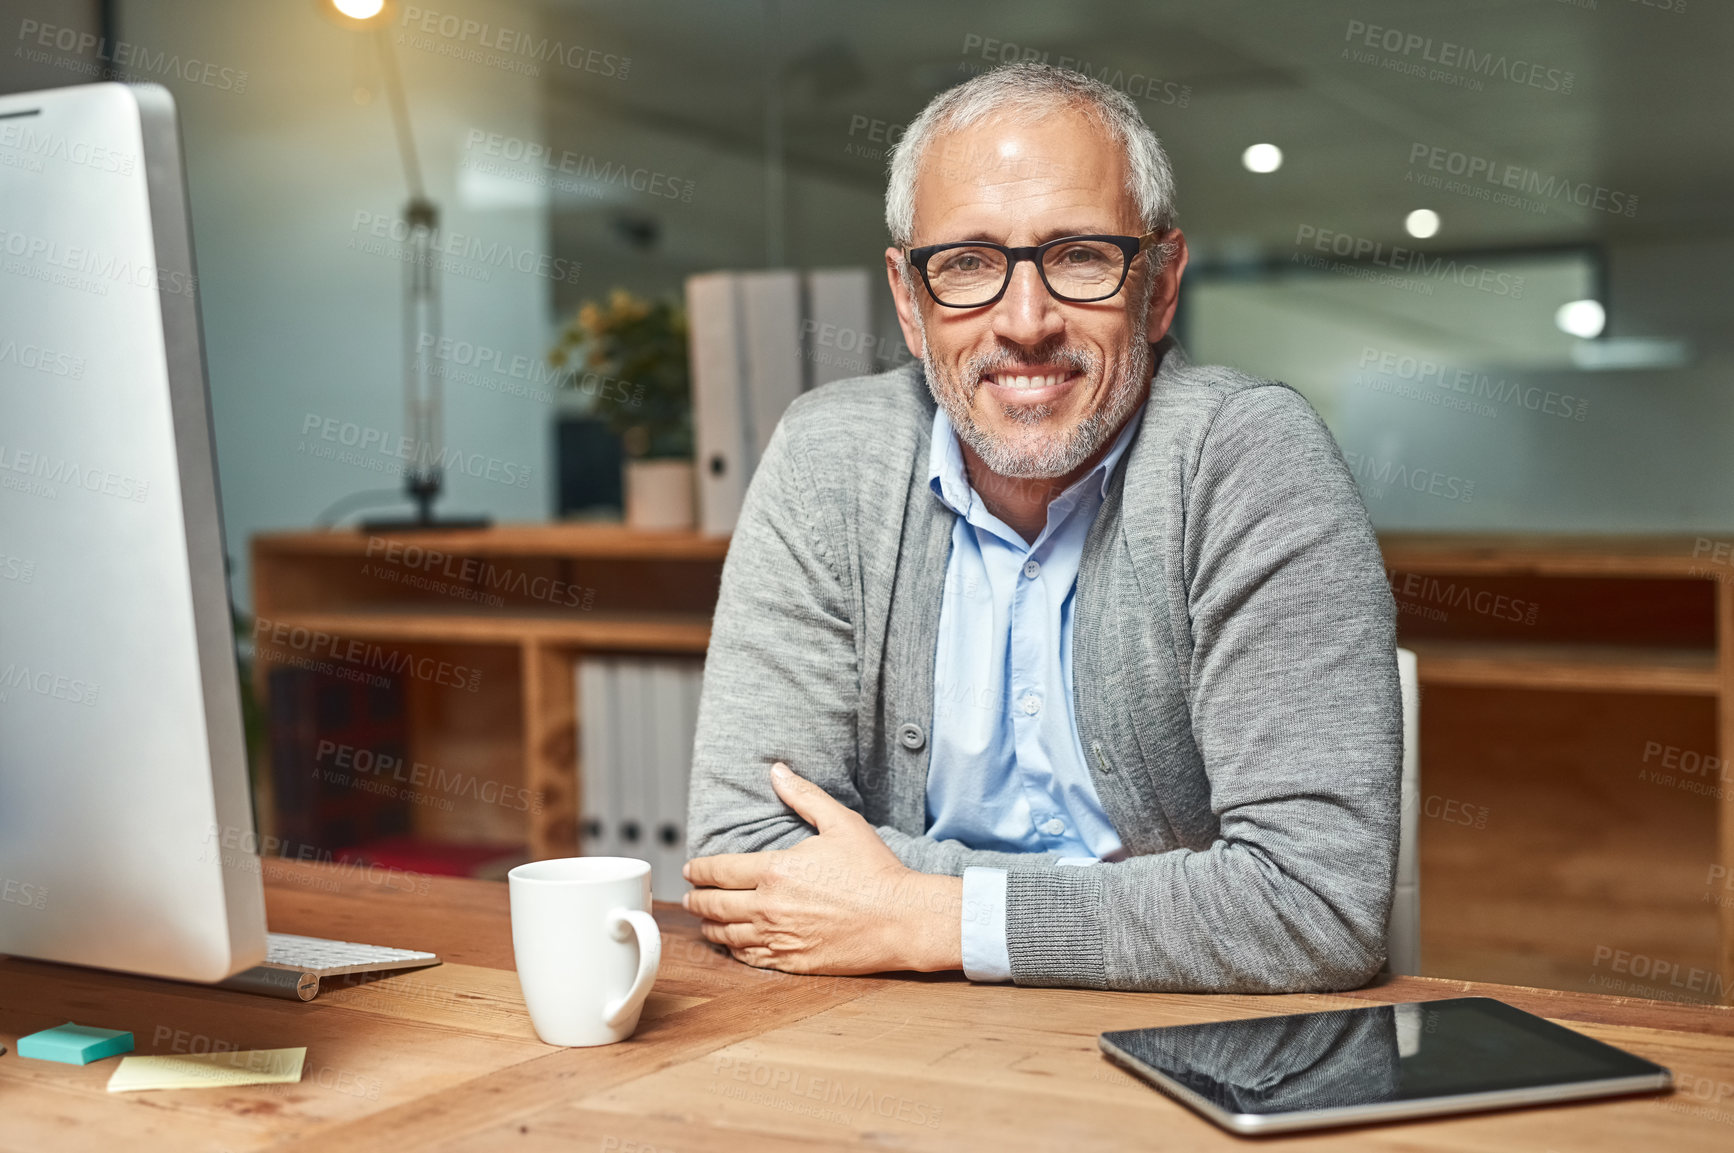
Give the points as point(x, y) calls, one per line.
point(400, 115)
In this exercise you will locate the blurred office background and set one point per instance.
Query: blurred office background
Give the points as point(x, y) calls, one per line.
point(1488, 241)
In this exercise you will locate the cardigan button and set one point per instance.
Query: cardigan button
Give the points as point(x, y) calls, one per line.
point(911, 737)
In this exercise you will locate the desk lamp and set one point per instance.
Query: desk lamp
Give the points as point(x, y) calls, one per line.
point(423, 401)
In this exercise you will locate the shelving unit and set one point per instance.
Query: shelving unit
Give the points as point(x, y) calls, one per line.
point(1632, 615)
point(511, 599)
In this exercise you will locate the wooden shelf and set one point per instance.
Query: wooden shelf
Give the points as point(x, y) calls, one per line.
point(531, 599)
point(583, 541)
point(1529, 554)
point(676, 633)
point(1579, 668)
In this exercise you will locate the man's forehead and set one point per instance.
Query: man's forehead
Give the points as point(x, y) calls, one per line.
point(1022, 165)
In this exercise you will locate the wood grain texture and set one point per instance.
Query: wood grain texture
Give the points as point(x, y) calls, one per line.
point(1723, 891)
point(1552, 839)
point(638, 632)
point(605, 541)
point(727, 1058)
point(951, 1066)
point(1543, 554)
point(1583, 668)
point(551, 740)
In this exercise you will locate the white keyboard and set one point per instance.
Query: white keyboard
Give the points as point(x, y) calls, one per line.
point(332, 958)
point(294, 965)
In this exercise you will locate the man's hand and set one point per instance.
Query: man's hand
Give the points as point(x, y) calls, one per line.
point(839, 902)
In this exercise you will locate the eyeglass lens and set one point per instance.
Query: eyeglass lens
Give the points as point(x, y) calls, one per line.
point(1079, 270)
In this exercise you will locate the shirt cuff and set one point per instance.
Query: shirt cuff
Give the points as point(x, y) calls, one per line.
point(985, 955)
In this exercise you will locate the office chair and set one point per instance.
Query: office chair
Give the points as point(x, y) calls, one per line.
point(1403, 934)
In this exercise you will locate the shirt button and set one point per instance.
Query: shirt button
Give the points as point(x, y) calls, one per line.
point(1031, 568)
point(1032, 705)
point(911, 737)
point(1054, 827)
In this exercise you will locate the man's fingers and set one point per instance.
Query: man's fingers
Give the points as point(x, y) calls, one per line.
point(756, 957)
point(739, 935)
point(731, 870)
point(811, 803)
point(722, 904)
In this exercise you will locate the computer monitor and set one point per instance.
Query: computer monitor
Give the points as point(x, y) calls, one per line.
point(123, 766)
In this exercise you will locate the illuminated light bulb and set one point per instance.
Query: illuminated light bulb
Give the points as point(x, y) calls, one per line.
point(1262, 158)
point(1422, 223)
point(1584, 318)
point(359, 9)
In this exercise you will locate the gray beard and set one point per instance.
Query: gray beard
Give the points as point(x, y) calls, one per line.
point(1053, 456)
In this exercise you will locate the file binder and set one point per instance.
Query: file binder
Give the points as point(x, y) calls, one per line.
point(757, 340)
point(637, 720)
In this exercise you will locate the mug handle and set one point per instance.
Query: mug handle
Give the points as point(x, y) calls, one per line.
point(622, 923)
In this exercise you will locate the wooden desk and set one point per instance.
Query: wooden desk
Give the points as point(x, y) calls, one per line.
point(728, 1058)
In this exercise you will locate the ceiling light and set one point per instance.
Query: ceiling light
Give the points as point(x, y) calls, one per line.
point(1422, 223)
point(1584, 318)
point(1262, 158)
point(356, 14)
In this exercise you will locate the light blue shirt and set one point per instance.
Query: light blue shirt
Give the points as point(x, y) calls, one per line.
point(1006, 769)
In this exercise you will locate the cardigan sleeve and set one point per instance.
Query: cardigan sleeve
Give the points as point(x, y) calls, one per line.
point(780, 681)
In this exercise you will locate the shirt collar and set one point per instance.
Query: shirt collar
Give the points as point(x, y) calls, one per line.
point(950, 482)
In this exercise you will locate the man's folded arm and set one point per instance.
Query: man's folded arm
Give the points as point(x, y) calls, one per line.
point(1297, 714)
point(780, 680)
point(951, 858)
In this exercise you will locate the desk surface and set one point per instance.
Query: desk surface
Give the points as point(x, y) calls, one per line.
point(727, 1058)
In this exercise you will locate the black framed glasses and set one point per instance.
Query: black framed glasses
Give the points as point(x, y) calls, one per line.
point(1076, 269)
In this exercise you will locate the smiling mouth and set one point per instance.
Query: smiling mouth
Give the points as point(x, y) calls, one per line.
point(1030, 380)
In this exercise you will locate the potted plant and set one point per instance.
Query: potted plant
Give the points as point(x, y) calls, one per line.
point(630, 357)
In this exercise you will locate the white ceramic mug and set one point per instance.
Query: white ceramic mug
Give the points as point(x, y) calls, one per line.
point(573, 924)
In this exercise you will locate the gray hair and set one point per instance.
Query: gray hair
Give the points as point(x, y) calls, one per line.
point(1031, 90)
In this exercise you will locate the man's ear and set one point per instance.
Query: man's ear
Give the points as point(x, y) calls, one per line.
point(905, 306)
point(1166, 295)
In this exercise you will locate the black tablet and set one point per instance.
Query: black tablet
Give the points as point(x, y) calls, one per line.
point(1354, 1066)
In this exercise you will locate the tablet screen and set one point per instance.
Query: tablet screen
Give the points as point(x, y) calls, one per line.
point(1388, 1053)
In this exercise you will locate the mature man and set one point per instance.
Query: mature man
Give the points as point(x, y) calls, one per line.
point(1055, 658)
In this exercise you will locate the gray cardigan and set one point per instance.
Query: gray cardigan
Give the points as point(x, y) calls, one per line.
point(1234, 683)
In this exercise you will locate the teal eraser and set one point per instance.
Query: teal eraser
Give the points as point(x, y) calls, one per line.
point(74, 1044)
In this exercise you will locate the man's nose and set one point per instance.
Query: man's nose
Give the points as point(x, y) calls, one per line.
point(1027, 314)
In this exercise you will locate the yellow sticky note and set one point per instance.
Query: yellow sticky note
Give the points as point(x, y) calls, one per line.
point(209, 1070)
